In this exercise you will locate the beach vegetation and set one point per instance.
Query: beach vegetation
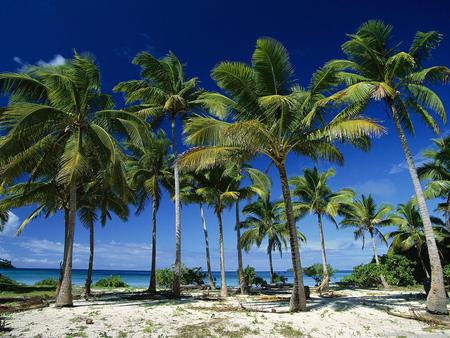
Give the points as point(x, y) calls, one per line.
point(111, 282)
point(189, 276)
point(47, 282)
point(315, 271)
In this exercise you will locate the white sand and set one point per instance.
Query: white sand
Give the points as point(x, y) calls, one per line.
point(355, 314)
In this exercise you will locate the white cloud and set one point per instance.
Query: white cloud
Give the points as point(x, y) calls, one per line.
point(11, 226)
point(58, 60)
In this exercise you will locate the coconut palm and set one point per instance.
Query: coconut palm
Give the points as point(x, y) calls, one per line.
point(437, 171)
point(149, 171)
point(409, 234)
point(265, 220)
point(376, 69)
point(164, 91)
point(51, 112)
point(315, 195)
point(273, 117)
point(365, 216)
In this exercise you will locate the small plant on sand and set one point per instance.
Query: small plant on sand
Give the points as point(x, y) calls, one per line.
point(315, 271)
point(47, 282)
point(111, 282)
point(286, 330)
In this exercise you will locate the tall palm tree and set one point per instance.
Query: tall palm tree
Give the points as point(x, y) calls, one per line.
point(149, 170)
point(410, 234)
point(264, 220)
point(315, 195)
point(273, 117)
point(51, 111)
point(364, 215)
point(164, 91)
point(437, 170)
point(375, 69)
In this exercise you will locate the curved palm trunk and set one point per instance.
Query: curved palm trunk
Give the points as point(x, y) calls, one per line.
point(424, 268)
point(62, 264)
point(436, 300)
point(87, 285)
point(223, 282)
point(64, 296)
point(152, 286)
point(208, 258)
point(298, 298)
point(377, 261)
point(270, 265)
point(242, 284)
point(177, 275)
point(326, 278)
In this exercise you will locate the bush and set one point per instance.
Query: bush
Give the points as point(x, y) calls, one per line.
point(111, 282)
point(315, 271)
point(279, 278)
point(397, 270)
point(7, 281)
point(249, 275)
point(47, 282)
point(446, 271)
point(259, 282)
point(164, 277)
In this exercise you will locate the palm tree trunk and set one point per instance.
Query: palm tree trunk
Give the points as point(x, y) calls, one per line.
point(177, 274)
point(223, 282)
point(298, 298)
point(63, 263)
point(242, 284)
point(270, 266)
point(87, 285)
point(436, 300)
point(64, 297)
point(208, 259)
point(377, 261)
point(447, 210)
point(424, 268)
point(326, 278)
point(152, 286)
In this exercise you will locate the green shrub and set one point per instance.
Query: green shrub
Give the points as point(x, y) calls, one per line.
point(279, 278)
point(164, 277)
point(111, 282)
point(259, 282)
point(7, 281)
point(446, 271)
point(249, 275)
point(397, 270)
point(47, 282)
point(315, 271)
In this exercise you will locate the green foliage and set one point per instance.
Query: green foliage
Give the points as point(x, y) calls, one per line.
point(47, 282)
point(7, 281)
point(315, 272)
point(259, 282)
point(446, 272)
point(111, 282)
point(249, 275)
point(279, 278)
point(6, 264)
point(397, 270)
point(164, 277)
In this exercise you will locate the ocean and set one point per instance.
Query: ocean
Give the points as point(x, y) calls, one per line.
point(139, 279)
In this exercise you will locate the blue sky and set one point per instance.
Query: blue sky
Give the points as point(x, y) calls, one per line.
point(203, 33)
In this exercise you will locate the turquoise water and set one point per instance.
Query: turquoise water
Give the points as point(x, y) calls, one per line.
point(137, 278)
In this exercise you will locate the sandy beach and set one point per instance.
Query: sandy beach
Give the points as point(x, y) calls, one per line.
point(353, 313)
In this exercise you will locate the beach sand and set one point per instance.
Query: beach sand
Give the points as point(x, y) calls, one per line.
point(355, 313)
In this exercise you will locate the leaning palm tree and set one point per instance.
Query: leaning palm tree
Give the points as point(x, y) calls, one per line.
point(51, 112)
point(365, 216)
point(164, 91)
point(264, 220)
point(273, 117)
point(409, 234)
point(375, 69)
point(149, 170)
point(315, 195)
point(437, 171)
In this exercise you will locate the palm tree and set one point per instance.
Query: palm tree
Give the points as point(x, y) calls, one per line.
point(315, 195)
point(364, 215)
point(375, 69)
point(164, 91)
point(264, 220)
point(410, 234)
point(273, 117)
point(52, 112)
point(438, 172)
point(149, 170)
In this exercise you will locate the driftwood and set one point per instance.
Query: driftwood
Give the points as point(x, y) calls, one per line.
point(422, 317)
